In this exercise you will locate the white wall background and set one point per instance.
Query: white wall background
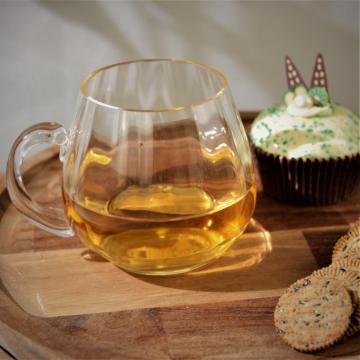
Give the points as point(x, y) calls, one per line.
point(47, 47)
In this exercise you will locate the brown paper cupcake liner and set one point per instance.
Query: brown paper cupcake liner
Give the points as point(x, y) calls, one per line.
point(308, 182)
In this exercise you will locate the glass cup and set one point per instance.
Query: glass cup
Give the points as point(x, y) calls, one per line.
point(157, 172)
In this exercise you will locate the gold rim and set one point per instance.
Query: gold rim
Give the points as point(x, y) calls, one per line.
point(84, 83)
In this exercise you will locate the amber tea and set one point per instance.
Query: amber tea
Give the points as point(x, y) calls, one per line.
point(161, 228)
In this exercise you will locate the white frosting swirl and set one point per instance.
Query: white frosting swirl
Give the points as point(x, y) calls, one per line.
point(303, 105)
point(294, 110)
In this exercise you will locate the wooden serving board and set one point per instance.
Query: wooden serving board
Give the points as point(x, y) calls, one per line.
point(54, 304)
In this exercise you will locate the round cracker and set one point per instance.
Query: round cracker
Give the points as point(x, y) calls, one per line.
point(348, 265)
point(355, 228)
point(351, 280)
point(354, 325)
point(313, 313)
point(352, 254)
point(349, 243)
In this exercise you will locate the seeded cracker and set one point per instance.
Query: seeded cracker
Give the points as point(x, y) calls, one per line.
point(348, 265)
point(352, 254)
point(313, 313)
point(348, 246)
point(355, 227)
point(343, 272)
point(348, 278)
point(354, 325)
point(351, 265)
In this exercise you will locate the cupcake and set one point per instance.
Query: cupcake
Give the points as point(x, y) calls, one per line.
point(307, 147)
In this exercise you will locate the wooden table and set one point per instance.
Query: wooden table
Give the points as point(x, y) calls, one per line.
point(93, 310)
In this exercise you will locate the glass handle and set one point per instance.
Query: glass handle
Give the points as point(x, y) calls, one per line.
point(47, 218)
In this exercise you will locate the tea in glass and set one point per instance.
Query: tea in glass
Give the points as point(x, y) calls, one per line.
point(157, 171)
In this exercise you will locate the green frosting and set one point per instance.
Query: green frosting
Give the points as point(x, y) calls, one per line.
point(323, 136)
point(320, 94)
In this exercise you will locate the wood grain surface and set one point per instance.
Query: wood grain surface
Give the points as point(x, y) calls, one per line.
point(4, 355)
point(92, 310)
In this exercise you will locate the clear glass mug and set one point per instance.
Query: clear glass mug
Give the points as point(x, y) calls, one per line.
point(157, 172)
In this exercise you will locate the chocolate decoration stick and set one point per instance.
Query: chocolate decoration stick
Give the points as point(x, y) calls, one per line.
point(293, 75)
point(319, 78)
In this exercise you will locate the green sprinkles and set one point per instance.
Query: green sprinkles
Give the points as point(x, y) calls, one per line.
point(272, 110)
point(327, 132)
point(315, 132)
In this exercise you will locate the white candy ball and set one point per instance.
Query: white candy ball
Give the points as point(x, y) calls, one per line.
point(300, 100)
